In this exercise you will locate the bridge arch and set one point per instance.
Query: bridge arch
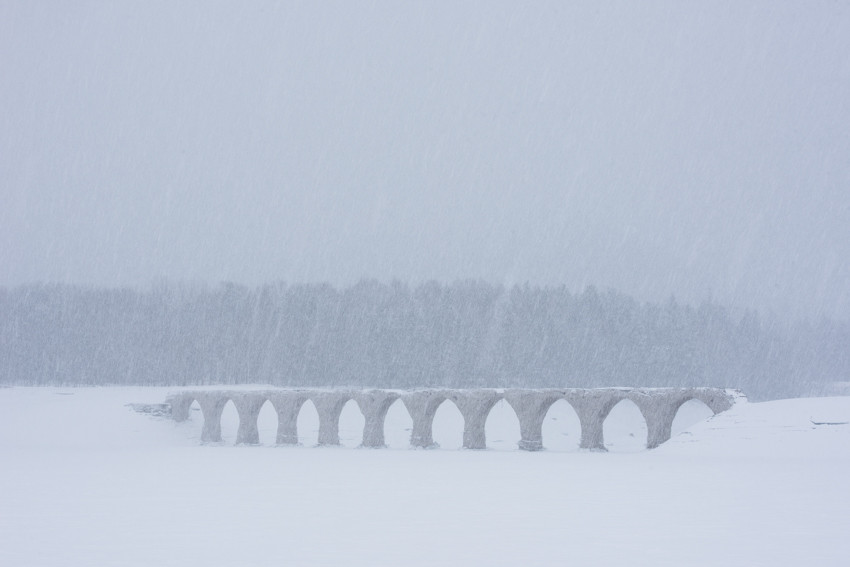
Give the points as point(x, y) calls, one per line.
point(592, 407)
point(658, 407)
point(716, 400)
point(267, 423)
point(398, 425)
point(447, 425)
point(501, 427)
point(352, 424)
point(625, 427)
point(688, 413)
point(561, 427)
point(238, 410)
point(307, 425)
point(231, 423)
point(474, 405)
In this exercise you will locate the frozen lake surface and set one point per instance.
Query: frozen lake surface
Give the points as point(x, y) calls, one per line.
point(87, 481)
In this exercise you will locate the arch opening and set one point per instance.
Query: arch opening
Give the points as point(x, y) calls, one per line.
point(308, 424)
point(195, 413)
point(561, 428)
point(447, 427)
point(194, 424)
point(624, 429)
point(229, 423)
point(267, 424)
point(351, 423)
point(398, 426)
point(690, 413)
point(501, 429)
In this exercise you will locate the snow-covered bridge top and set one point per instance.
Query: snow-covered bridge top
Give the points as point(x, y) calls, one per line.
point(658, 406)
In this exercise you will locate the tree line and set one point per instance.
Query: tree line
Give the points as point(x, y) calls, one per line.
point(464, 334)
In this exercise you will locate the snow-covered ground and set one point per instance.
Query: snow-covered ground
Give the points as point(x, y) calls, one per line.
point(87, 481)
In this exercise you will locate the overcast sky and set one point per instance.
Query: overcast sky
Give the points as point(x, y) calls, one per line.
point(690, 148)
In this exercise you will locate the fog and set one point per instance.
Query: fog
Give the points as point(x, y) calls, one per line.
point(658, 148)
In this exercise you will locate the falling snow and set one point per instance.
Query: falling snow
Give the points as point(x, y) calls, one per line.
point(403, 195)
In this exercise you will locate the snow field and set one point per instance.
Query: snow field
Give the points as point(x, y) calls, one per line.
point(89, 482)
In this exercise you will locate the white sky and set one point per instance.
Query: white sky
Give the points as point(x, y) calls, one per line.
point(659, 148)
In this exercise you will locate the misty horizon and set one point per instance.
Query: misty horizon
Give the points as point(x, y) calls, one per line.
point(699, 151)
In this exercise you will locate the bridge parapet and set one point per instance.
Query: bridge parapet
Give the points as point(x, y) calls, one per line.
point(592, 406)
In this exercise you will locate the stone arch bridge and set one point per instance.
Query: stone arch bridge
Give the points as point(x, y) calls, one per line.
point(658, 406)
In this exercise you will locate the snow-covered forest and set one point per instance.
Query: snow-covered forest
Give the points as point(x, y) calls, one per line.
point(465, 334)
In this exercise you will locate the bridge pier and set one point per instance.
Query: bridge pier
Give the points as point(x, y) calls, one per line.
point(658, 410)
point(180, 406)
point(475, 406)
point(422, 405)
point(530, 408)
point(287, 404)
point(329, 405)
point(592, 437)
point(211, 407)
point(374, 405)
point(248, 406)
point(592, 407)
